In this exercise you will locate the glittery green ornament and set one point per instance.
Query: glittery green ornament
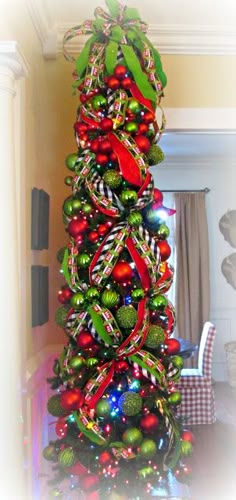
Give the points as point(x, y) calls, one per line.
point(77, 300)
point(155, 336)
point(49, 453)
point(66, 457)
point(128, 197)
point(98, 102)
point(83, 260)
point(177, 361)
point(137, 294)
point(90, 362)
point(175, 398)
point(112, 178)
point(68, 207)
point(158, 303)
point(132, 436)
point(77, 362)
point(61, 316)
point(71, 160)
point(110, 298)
point(86, 208)
point(126, 316)
point(155, 155)
point(135, 219)
point(60, 254)
point(130, 403)
point(163, 232)
point(145, 473)
point(148, 448)
point(54, 407)
point(92, 294)
point(103, 408)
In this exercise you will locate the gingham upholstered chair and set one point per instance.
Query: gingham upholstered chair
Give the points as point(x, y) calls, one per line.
point(195, 384)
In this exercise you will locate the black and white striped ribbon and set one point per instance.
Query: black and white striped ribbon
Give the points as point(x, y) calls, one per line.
point(107, 246)
point(151, 242)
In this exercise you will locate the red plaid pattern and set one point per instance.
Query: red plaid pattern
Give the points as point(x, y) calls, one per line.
point(198, 401)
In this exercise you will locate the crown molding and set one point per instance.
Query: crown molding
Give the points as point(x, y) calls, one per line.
point(169, 39)
point(12, 57)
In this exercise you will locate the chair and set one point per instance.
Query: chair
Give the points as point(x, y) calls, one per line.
point(195, 385)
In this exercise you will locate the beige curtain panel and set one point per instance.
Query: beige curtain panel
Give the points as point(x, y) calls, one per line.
point(192, 266)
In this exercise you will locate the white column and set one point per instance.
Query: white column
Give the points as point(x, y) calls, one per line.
point(12, 476)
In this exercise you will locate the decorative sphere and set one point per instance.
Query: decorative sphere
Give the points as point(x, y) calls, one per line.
point(66, 457)
point(126, 83)
point(101, 158)
point(85, 340)
point(173, 346)
point(112, 178)
point(83, 260)
point(148, 117)
point(102, 229)
point(105, 458)
point(148, 448)
point(110, 298)
point(132, 437)
point(121, 366)
point(92, 294)
point(120, 71)
point(80, 127)
point(134, 106)
point(155, 336)
point(113, 83)
point(163, 232)
point(105, 145)
point(68, 180)
point(54, 406)
point(71, 160)
point(149, 423)
point(61, 316)
point(103, 408)
point(143, 143)
point(68, 207)
point(165, 250)
point(49, 453)
point(71, 399)
point(94, 145)
point(86, 208)
point(77, 363)
point(93, 237)
point(128, 197)
point(131, 127)
point(158, 303)
point(137, 294)
point(77, 226)
point(155, 155)
point(135, 219)
point(175, 398)
point(186, 448)
point(127, 316)
point(89, 482)
point(178, 362)
point(142, 128)
point(77, 300)
point(130, 403)
point(188, 436)
point(122, 272)
point(98, 102)
point(90, 362)
point(106, 125)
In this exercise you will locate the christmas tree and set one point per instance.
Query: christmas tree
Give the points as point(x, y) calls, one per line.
point(115, 398)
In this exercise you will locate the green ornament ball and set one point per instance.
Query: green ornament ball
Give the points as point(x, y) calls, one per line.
point(92, 294)
point(49, 452)
point(148, 448)
point(145, 473)
point(128, 197)
point(137, 294)
point(68, 207)
point(60, 254)
point(66, 457)
point(71, 160)
point(68, 180)
point(130, 403)
point(163, 232)
point(158, 303)
point(98, 102)
point(131, 127)
point(77, 362)
point(86, 208)
point(132, 436)
point(135, 219)
point(90, 362)
point(77, 300)
point(103, 408)
point(134, 106)
point(186, 448)
point(61, 316)
point(112, 178)
point(83, 260)
point(155, 155)
point(76, 205)
point(175, 398)
point(54, 407)
point(155, 336)
point(56, 493)
point(110, 298)
point(126, 316)
point(177, 361)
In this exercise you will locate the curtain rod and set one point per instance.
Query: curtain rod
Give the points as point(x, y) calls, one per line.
point(205, 190)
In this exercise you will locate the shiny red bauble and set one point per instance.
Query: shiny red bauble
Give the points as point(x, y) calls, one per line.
point(106, 124)
point(142, 128)
point(165, 250)
point(143, 143)
point(121, 366)
point(94, 145)
point(126, 83)
point(105, 458)
point(173, 346)
point(113, 156)
point(120, 71)
point(113, 83)
point(93, 237)
point(80, 128)
point(188, 436)
point(71, 399)
point(157, 196)
point(149, 423)
point(148, 117)
point(102, 229)
point(61, 427)
point(105, 146)
point(122, 272)
point(64, 295)
point(85, 340)
point(101, 159)
point(77, 226)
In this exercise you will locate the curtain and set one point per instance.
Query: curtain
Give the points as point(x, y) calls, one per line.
point(192, 266)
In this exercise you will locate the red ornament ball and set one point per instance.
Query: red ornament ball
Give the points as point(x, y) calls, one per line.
point(106, 124)
point(94, 145)
point(77, 226)
point(142, 128)
point(121, 366)
point(113, 156)
point(105, 146)
point(113, 83)
point(61, 428)
point(143, 143)
point(105, 458)
point(165, 250)
point(93, 237)
point(126, 83)
point(149, 423)
point(122, 272)
point(85, 340)
point(80, 128)
point(77, 469)
point(64, 295)
point(102, 229)
point(173, 346)
point(188, 436)
point(120, 71)
point(71, 399)
point(101, 159)
point(148, 117)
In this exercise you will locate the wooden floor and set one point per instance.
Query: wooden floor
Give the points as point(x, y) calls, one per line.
point(214, 458)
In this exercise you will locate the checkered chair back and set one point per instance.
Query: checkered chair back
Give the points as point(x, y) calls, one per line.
point(206, 349)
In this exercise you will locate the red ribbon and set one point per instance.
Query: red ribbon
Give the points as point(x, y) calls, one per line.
point(140, 265)
point(140, 98)
point(128, 166)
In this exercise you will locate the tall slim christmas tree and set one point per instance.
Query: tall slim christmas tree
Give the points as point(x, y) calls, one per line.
point(115, 398)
